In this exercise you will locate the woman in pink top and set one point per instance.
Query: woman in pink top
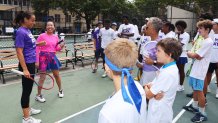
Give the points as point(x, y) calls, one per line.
point(46, 58)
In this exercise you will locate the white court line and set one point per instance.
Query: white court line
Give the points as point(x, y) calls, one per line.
point(183, 110)
point(78, 113)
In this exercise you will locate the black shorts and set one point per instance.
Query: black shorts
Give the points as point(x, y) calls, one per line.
point(212, 67)
point(99, 53)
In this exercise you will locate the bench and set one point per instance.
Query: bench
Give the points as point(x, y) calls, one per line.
point(9, 60)
point(83, 51)
point(63, 56)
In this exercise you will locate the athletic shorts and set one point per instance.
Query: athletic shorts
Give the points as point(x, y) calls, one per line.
point(182, 60)
point(212, 67)
point(196, 84)
point(99, 53)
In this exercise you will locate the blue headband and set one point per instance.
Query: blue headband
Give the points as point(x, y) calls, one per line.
point(133, 90)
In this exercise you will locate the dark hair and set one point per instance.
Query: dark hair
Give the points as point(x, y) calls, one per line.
point(172, 27)
point(107, 21)
point(21, 15)
point(181, 23)
point(171, 46)
point(125, 17)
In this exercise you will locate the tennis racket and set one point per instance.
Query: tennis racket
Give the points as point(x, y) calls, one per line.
point(42, 80)
point(61, 41)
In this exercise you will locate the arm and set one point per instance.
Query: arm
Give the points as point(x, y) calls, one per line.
point(194, 55)
point(22, 62)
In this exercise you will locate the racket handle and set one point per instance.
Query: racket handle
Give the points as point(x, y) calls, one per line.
point(17, 71)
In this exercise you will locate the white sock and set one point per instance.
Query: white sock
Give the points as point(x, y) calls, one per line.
point(195, 104)
point(202, 110)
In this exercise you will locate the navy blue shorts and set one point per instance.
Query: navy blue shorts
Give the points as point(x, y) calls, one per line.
point(182, 60)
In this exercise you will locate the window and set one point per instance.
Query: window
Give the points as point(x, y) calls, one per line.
point(5, 1)
point(24, 2)
point(68, 18)
point(10, 2)
point(15, 2)
point(1, 1)
point(57, 18)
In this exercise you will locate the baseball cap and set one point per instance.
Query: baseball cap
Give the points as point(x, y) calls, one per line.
point(100, 22)
point(114, 23)
point(215, 20)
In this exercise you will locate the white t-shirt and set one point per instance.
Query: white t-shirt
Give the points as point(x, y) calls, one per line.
point(143, 41)
point(161, 35)
point(170, 34)
point(129, 28)
point(136, 33)
point(214, 56)
point(115, 110)
point(184, 39)
point(161, 111)
point(200, 67)
point(107, 36)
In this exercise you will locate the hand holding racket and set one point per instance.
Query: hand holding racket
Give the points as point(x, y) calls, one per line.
point(43, 80)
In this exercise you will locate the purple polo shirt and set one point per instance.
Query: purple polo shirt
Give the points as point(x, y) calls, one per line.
point(96, 37)
point(24, 39)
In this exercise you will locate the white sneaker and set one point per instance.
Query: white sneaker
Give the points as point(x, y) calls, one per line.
point(217, 93)
point(208, 89)
point(40, 98)
point(61, 94)
point(34, 111)
point(31, 120)
point(104, 75)
point(180, 88)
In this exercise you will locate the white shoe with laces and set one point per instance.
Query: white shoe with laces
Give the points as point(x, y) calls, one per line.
point(61, 94)
point(40, 98)
point(104, 75)
point(34, 111)
point(31, 120)
point(180, 88)
point(217, 93)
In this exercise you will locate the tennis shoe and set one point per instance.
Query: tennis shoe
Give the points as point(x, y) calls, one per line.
point(180, 88)
point(61, 94)
point(40, 98)
point(34, 111)
point(31, 120)
point(104, 75)
point(190, 108)
point(199, 118)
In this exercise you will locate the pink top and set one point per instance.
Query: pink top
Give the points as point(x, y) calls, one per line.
point(51, 44)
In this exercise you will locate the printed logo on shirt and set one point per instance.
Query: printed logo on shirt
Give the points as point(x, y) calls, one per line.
point(215, 44)
point(33, 40)
point(126, 30)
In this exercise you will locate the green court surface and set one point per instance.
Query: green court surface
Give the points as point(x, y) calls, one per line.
point(85, 94)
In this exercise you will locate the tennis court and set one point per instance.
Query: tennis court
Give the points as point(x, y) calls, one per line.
point(85, 94)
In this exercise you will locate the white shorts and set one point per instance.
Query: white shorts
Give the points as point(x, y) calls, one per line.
point(147, 77)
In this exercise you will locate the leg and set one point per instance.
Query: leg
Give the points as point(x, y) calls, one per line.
point(57, 78)
point(27, 85)
point(41, 81)
point(181, 73)
point(201, 99)
point(207, 82)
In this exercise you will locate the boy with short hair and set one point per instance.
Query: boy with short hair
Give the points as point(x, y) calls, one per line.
point(199, 70)
point(160, 111)
point(128, 104)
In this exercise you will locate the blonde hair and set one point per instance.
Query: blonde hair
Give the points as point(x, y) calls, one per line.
point(207, 24)
point(122, 53)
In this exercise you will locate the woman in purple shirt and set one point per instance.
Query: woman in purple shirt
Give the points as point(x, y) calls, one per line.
point(25, 44)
